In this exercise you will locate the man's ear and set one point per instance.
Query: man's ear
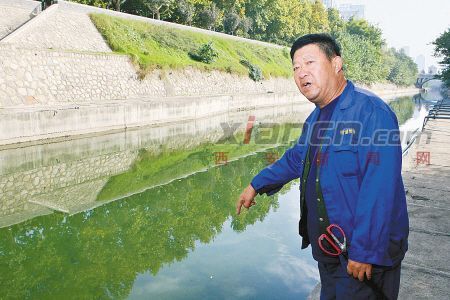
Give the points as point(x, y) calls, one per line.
point(337, 64)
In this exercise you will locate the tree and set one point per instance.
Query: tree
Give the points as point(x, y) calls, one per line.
point(442, 49)
point(159, 7)
point(400, 69)
point(366, 30)
point(96, 3)
point(116, 4)
point(363, 61)
point(289, 19)
point(260, 13)
point(209, 17)
point(185, 12)
point(136, 7)
point(245, 26)
point(231, 22)
point(319, 18)
point(335, 22)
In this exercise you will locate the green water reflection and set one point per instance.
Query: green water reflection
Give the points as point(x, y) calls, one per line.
point(99, 253)
point(151, 169)
point(172, 234)
point(403, 108)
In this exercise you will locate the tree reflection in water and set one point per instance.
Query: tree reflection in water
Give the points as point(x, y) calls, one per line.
point(99, 253)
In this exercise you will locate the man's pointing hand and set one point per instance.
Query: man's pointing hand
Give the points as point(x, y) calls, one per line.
point(246, 199)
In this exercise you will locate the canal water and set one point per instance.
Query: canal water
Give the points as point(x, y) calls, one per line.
point(150, 213)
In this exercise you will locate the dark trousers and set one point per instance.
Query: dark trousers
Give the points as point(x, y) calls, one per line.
point(337, 284)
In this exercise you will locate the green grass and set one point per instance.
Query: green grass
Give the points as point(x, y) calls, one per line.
point(160, 47)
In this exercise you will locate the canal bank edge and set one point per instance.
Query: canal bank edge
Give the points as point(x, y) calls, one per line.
point(59, 79)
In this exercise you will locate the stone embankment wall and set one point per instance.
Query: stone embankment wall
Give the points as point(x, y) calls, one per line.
point(59, 78)
point(35, 77)
point(15, 13)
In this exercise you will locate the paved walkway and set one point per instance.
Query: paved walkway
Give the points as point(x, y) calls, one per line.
point(426, 174)
point(426, 268)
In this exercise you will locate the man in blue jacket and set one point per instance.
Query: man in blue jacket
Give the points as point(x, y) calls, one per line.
point(348, 159)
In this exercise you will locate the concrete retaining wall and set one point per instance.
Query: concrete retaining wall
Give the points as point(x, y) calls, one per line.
point(33, 124)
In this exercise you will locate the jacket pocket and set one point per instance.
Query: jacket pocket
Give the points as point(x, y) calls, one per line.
point(346, 160)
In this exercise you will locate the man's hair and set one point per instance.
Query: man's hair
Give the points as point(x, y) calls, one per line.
point(324, 41)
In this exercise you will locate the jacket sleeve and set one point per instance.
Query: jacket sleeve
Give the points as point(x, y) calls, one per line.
point(380, 163)
point(271, 179)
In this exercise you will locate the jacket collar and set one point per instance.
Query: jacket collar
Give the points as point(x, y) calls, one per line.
point(347, 99)
point(345, 102)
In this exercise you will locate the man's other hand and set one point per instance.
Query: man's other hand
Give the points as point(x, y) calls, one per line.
point(358, 270)
point(246, 199)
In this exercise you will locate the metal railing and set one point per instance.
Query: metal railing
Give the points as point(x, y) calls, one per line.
point(441, 110)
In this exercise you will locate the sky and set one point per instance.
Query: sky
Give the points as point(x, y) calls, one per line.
point(413, 23)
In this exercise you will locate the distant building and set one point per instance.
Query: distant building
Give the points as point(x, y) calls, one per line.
point(432, 70)
point(420, 62)
point(329, 3)
point(348, 11)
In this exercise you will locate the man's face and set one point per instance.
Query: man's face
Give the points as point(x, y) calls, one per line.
point(314, 74)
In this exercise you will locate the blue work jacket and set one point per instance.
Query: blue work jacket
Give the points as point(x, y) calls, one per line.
point(360, 177)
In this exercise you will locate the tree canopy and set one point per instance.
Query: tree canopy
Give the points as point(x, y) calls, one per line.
point(366, 56)
point(442, 50)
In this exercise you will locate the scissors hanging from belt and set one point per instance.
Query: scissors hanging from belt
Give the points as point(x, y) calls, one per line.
point(336, 246)
point(333, 234)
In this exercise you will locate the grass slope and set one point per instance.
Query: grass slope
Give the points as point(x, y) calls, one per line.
point(155, 46)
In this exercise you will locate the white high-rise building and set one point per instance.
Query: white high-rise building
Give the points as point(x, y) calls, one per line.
point(348, 11)
point(420, 62)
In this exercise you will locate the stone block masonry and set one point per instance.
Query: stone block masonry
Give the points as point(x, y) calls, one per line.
point(57, 28)
point(39, 77)
point(35, 76)
point(58, 78)
point(13, 14)
point(51, 93)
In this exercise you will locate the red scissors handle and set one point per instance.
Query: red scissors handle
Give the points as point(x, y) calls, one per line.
point(334, 242)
